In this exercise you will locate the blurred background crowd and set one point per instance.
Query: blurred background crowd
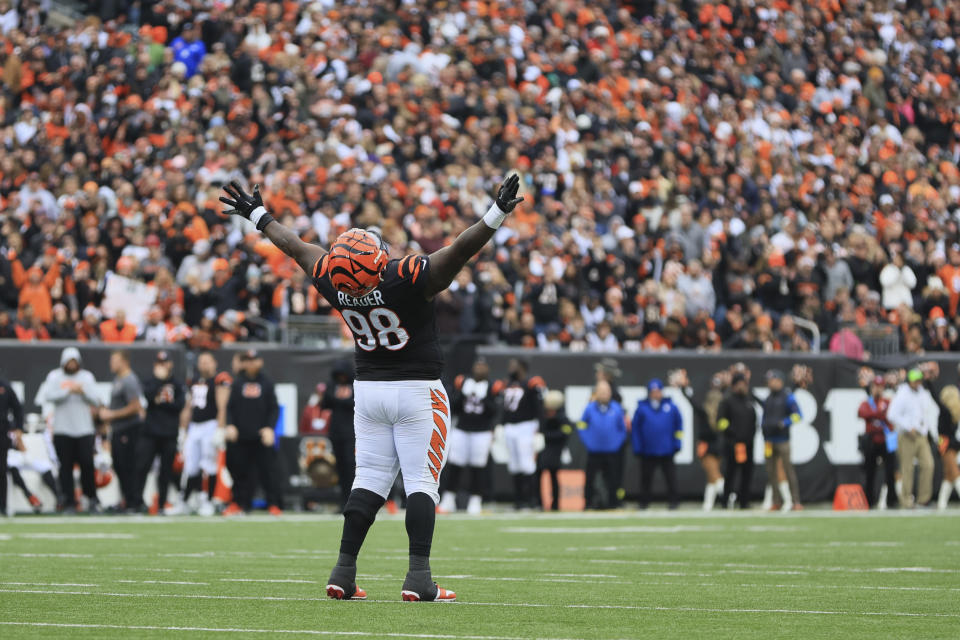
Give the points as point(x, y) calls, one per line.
point(696, 175)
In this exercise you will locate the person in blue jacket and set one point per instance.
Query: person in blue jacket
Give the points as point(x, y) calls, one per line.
point(189, 49)
point(657, 433)
point(603, 430)
point(780, 413)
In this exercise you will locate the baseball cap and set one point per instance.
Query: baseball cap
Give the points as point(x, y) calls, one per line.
point(879, 380)
point(655, 385)
point(737, 377)
point(163, 356)
point(249, 354)
point(914, 375)
point(776, 373)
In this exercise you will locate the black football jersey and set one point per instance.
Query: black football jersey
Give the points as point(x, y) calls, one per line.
point(394, 325)
point(203, 397)
point(522, 400)
point(474, 404)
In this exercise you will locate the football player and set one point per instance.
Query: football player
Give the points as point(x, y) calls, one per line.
point(208, 395)
point(402, 415)
point(474, 403)
point(522, 405)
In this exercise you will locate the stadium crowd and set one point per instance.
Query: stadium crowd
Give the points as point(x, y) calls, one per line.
point(696, 174)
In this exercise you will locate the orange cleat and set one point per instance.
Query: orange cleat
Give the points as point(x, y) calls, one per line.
point(233, 509)
point(392, 507)
point(443, 595)
point(337, 593)
point(275, 510)
point(35, 502)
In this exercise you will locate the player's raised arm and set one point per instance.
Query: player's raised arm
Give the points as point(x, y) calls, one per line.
point(446, 263)
point(251, 208)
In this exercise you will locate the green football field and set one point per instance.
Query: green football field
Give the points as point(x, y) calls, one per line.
point(621, 575)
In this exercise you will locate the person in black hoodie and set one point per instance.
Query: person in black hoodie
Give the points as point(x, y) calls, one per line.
point(338, 398)
point(166, 397)
point(737, 420)
point(252, 412)
point(556, 428)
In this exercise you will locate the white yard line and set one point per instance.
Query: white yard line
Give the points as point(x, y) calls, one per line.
point(267, 580)
point(500, 604)
point(312, 632)
point(205, 584)
point(77, 536)
point(50, 584)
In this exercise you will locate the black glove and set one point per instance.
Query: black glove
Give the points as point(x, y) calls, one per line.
point(246, 205)
point(507, 199)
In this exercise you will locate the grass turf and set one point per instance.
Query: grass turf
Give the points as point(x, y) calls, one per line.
point(622, 575)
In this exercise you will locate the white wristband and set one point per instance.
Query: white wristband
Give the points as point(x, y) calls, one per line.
point(494, 217)
point(256, 214)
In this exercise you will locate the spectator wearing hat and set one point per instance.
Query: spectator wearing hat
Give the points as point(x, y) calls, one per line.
point(909, 412)
point(657, 433)
point(602, 429)
point(780, 412)
point(737, 421)
point(878, 443)
point(72, 393)
point(166, 398)
point(252, 412)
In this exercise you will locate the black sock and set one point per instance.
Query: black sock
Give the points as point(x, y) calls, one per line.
point(420, 520)
point(193, 484)
point(518, 489)
point(18, 480)
point(451, 477)
point(358, 515)
point(476, 480)
point(51, 483)
point(211, 485)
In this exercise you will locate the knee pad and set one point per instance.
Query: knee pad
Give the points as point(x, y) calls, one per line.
point(364, 504)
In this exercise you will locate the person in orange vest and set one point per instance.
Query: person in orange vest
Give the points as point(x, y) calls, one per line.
point(35, 289)
point(117, 329)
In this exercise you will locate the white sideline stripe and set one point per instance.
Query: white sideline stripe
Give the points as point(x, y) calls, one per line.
point(680, 528)
point(909, 614)
point(267, 580)
point(48, 555)
point(205, 584)
point(51, 584)
point(4, 537)
point(312, 632)
point(78, 536)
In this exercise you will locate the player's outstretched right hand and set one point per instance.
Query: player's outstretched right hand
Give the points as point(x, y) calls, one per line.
point(507, 199)
point(241, 203)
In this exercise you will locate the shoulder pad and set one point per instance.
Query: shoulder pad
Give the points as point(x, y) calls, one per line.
point(498, 386)
point(536, 382)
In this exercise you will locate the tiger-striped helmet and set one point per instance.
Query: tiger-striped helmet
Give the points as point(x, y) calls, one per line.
point(356, 262)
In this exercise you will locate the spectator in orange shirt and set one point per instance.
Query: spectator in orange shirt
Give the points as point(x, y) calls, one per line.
point(117, 329)
point(35, 289)
point(30, 328)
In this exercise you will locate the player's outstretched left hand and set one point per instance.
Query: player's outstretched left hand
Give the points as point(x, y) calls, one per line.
point(507, 199)
point(241, 203)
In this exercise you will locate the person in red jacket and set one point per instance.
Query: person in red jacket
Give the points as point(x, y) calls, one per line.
point(873, 444)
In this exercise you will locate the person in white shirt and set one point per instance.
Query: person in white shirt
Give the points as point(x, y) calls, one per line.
point(909, 413)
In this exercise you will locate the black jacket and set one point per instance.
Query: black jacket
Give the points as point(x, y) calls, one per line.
point(252, 405)
point(11, 414)
point(165, 401)
point(338, 397)
point(556, 429)
point(737, 418)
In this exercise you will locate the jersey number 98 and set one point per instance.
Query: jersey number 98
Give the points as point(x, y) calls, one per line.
point(377, 330)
